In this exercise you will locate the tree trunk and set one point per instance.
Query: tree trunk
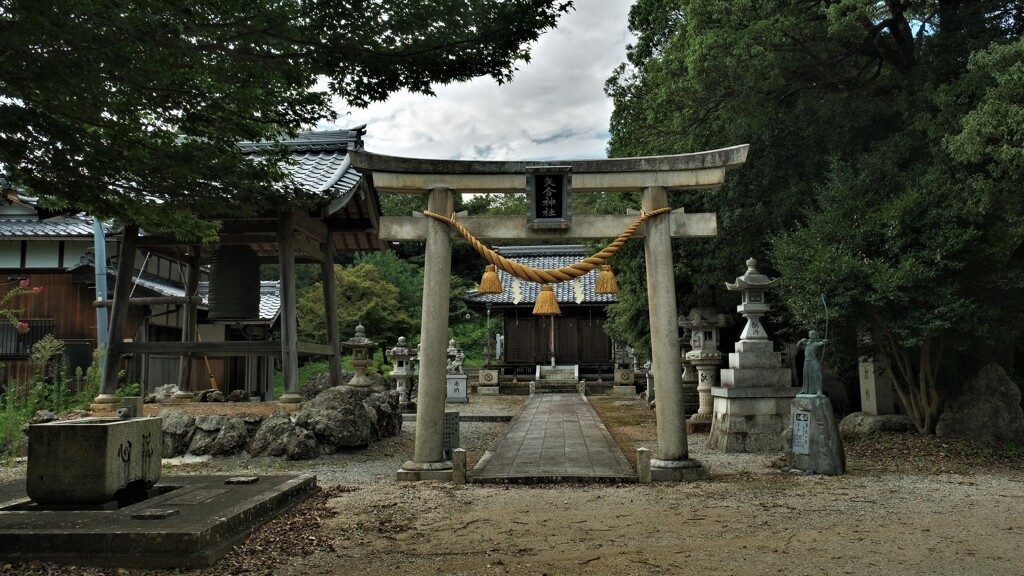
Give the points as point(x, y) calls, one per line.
point(914, 372)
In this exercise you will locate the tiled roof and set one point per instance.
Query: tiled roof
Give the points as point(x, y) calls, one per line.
point(320, 140)
point(319, 159)
point(19, 218)
point(50, 228)
point(160, 286)
point(544, 257)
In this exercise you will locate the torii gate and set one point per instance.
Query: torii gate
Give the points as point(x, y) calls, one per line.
point(653, 176)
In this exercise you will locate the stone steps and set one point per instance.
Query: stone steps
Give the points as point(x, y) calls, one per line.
point(552, 386)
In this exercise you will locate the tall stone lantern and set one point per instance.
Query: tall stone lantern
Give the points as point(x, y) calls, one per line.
point(704, 323)
point(751, 404)
point(361, 349)
point(402, 371)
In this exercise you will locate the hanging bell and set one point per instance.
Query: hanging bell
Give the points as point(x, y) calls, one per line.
point(490, 284)
point(546, 304)
point(606, 283)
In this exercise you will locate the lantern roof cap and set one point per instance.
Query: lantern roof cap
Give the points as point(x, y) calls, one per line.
point(752, 279)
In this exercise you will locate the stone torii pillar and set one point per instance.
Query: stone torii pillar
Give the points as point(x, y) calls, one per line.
point(653, 176)
point(428, 461)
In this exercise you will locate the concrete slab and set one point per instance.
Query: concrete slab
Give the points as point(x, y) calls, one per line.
point(554, 438)
point(193, 521)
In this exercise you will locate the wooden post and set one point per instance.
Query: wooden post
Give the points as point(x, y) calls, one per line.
point(118, 315)
point(289, 323)
point(331, 312)
point(186, 387)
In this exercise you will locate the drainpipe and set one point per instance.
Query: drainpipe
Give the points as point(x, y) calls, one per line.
point(99, 240)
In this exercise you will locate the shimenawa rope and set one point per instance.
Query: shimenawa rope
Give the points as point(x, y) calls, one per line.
point(549, 276)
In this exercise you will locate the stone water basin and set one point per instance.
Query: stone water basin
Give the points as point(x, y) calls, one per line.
point(87, 461)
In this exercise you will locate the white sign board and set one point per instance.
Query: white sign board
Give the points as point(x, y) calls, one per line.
point(801, 432)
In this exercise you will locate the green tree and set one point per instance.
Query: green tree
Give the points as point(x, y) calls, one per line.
point(880, 169)
point(363, 297)
point(131, 110)
point(406, 277)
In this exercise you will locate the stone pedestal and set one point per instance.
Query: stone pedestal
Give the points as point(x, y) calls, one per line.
point(487, 390)
point(457, 388)
point(752, 404)
point(687, 470)
point(749, 419)
point(624, 377)
point(487, 377)
point(812, 442)
point(87, 461)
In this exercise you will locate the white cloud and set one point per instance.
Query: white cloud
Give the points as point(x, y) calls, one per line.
point(555, 107)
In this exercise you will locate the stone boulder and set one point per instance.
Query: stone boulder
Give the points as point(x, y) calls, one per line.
point(987, 410)
point(237, 396)
point(207, 431)
point(233, 437)
point(865, 423)
point(178, 429)
point(338, 418)
point(209, 395)
point(386, 414)
point(301, 444)
point(813, 444)
point(40, 417)
point(269, 439)
point(164, 393)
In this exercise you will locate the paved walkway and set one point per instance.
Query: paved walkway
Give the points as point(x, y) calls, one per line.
point(554, 438)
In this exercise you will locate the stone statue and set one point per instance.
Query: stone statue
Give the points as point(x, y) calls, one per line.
point(455, 358)
point(812, 364)
point(499, 346)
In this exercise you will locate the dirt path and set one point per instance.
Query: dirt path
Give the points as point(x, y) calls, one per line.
point(908, 505)
point(777, 524)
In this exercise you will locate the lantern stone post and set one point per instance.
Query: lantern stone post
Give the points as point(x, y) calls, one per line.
point(361, 347)
point(704, 323)
point(401, 371)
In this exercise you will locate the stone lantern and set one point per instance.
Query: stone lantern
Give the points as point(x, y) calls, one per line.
point(361, 349)
point(751, 403)
point(704, 323)
point(402, 370)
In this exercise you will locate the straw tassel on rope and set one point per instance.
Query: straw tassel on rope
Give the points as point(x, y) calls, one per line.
point(546, 304)
point(606, 283)
point(490, 284)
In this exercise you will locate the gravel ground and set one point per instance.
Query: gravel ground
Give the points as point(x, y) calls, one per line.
point(907, 505)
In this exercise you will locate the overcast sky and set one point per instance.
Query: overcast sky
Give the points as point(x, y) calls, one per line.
point(554, 108)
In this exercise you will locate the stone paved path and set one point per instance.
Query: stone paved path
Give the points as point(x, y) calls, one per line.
point(554, 438)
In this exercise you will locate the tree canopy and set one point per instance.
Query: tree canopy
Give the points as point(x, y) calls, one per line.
point(131, 110)
point(363, 297)
point(885, 143)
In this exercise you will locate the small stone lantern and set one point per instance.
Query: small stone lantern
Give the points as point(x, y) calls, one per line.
point(402, 372)
point(361, 349)
point(704, 324)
